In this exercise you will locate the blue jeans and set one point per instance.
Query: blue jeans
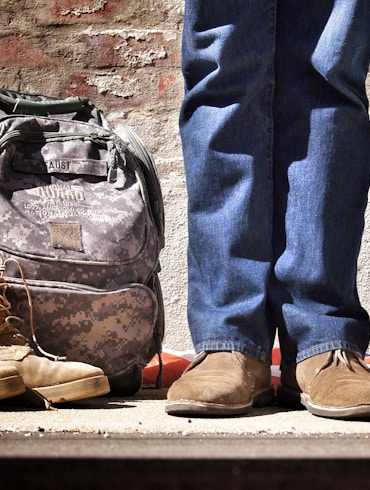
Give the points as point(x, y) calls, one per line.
point(276, 144)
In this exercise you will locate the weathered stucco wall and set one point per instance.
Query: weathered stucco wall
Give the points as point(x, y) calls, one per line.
point(124, 55)
point(364, 259)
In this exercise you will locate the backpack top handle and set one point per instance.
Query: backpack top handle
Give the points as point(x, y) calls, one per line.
point(20, 105)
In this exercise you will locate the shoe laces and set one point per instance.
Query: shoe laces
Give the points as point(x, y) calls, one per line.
point(339, 356)
point(11, 322)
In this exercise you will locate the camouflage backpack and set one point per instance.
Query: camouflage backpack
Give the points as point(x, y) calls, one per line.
point(81, 218)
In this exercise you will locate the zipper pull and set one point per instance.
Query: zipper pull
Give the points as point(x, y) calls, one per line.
point(116, 175)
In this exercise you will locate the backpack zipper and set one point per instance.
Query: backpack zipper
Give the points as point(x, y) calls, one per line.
point(31, 137)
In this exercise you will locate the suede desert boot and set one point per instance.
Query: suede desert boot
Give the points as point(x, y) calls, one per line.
point(221, 384)
point(57, 381)
point(333, 384)
point(11, 384)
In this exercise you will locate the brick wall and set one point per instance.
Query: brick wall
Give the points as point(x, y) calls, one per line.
point(123, 54)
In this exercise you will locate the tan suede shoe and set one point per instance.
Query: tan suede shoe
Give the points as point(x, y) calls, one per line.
point(57, 381)
point(11, 383)
point(221, 383)
point(334, 384)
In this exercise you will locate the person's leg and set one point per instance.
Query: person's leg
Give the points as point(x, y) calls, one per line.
point(322, 163)
point(227, 136)
point(226, 129)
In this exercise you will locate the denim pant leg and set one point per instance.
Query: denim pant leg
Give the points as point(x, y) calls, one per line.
point(227, 135)
point(322, 159)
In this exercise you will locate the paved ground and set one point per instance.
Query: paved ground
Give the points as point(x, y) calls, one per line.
point(116, 442)
point(143, 414)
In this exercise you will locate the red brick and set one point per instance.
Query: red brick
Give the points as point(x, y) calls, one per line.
point(4, 18)
point(147, 49)
point(79, 11)
point(15, 50)
point(76, 85)
point(104, 50)
point(165, 81)
point(173, 52)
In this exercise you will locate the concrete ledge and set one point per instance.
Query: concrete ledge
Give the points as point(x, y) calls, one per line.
point(162, 462)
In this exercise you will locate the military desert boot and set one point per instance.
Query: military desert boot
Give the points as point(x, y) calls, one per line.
point(58, 381)
point(11, 384)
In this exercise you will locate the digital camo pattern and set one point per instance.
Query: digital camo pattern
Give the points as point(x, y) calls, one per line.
point(41, 186)
point(111, 330)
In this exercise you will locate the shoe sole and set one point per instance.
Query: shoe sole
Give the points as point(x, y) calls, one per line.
point(75, 390)
point(360, 411)
point(196, 408)
point(292, 399)
point(11, 386)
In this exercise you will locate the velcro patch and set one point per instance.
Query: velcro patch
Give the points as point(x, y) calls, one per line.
point(66, 235)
